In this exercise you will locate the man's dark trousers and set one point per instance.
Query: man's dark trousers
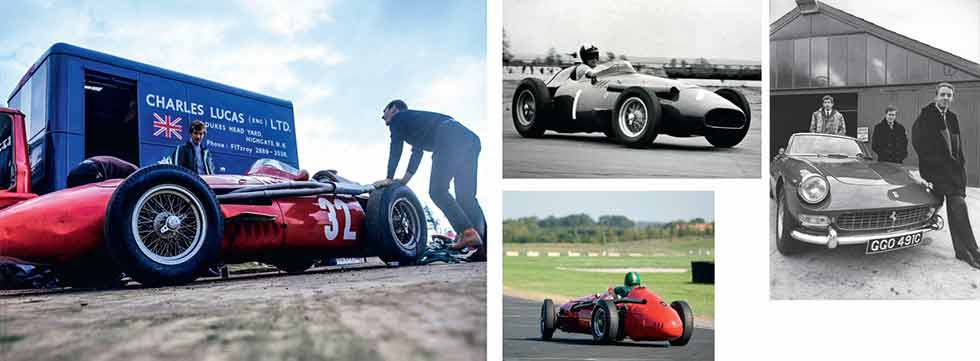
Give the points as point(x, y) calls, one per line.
point(454, 159)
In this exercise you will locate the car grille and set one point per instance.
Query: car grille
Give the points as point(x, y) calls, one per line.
point(871, 220)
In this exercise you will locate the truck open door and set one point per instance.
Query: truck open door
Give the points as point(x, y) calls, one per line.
point(15, 169)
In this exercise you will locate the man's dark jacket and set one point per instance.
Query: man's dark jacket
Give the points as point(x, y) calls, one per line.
point(890, 143)
point(185, 156)
point(936, 165)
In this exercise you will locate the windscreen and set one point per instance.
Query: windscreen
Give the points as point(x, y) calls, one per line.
point(614, 67)
point(826, 145)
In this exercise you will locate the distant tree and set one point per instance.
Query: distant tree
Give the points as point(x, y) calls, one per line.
point(610, 56)
point(698, 220)
point(507, 55)
point(552, 58)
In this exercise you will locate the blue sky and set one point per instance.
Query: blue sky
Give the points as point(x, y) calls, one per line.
point(641, 206)
point(339, 62)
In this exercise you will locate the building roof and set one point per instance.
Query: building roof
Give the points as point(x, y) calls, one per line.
point(859, 25)
point(79, 52)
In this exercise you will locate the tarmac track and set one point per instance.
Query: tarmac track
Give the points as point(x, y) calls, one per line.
point(522, 341)
point(364, 312)
point(592, 155)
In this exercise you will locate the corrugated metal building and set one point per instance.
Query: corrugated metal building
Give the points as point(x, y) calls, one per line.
point(816, 49)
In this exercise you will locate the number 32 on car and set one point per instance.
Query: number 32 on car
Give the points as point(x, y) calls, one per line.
point(332, 229)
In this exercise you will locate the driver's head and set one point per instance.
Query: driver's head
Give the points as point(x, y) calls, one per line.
point(944, 95)
point(393, 108)
point(589, 55)
point(198, 130)
point(632, 279)
point(828, 103)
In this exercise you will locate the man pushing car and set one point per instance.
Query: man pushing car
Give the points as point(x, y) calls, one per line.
point(455, 150)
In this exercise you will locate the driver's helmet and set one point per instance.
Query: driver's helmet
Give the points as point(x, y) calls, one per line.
point(632, 279)
point(587, 52)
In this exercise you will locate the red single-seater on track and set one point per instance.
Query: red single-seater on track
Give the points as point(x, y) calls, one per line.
point(641, 316)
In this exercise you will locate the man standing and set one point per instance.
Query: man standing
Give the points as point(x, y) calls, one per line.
point(889, 140)
point(827, 120)
point(194, 155)
point(936, 139)
point(455, 150)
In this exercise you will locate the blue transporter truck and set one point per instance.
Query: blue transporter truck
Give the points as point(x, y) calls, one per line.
point(81, 103)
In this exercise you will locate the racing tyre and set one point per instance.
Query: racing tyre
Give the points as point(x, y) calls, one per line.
point(785, 223)
point(396, 228)
point(727, 138)
point(163, 226)
point(635, 118)
point(531, 108)
point(687, 317)
point(605, 322)
point(548, 319)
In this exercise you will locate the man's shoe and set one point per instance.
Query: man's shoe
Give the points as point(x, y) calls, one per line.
point(469, 238)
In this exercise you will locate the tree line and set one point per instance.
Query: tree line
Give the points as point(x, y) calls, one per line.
point(582, 228)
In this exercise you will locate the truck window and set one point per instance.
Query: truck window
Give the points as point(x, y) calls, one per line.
point(32, 100)
point(6, 152)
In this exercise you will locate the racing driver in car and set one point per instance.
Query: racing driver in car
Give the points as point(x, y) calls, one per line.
point(589, 54)
point(631, 281)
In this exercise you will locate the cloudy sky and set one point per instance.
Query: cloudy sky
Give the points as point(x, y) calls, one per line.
point(729, 29)
point(339, 62)
point(950, 25)
point(639, 206)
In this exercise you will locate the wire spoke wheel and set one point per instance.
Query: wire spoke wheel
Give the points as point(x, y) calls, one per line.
point(526, 108)
point(633, 116)
point(168, 224)
point(404, 223)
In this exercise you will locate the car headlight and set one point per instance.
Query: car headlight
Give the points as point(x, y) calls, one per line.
point(813, 188)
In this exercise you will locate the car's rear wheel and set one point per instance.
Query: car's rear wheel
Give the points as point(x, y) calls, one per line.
point(163, 226)
point(635, 118)
point(548, 319)
point(785, 223)
point(727, 138)
point(396, 226)
point(605, 322)
point(687, 317)
point(531, 108)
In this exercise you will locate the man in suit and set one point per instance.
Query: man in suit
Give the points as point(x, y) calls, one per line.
point(936, 139)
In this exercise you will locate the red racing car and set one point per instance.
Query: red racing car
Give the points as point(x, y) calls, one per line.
point(164, 225)
point(641, 316)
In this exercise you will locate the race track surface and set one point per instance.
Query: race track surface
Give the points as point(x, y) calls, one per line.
point(522, 341)
point(592, 155)
point(371, 312)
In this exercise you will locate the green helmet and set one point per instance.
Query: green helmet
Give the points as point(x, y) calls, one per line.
point(632, 279)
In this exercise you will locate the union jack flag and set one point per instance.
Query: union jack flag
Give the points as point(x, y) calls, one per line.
point(167, 126)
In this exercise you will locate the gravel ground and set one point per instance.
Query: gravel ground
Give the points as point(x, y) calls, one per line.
point(367, 312)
